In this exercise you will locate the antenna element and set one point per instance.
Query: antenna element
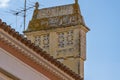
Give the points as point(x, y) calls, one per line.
point(24, 14)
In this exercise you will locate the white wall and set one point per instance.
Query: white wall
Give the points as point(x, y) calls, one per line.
point(18, 68)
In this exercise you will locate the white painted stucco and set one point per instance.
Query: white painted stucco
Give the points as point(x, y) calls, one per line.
point(18, 68)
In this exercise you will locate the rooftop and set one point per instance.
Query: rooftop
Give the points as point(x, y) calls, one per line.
point(55, 17)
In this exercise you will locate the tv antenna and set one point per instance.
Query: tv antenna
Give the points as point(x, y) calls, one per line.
point(22, 12)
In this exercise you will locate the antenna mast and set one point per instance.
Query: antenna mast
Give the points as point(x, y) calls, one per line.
point(24, 14)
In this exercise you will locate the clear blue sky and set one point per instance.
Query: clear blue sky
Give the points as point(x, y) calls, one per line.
point(103, 46)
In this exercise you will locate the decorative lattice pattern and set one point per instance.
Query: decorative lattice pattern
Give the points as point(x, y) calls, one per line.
point(65, 39)
point(42, 41)
point(46, 41)
point(37, 40)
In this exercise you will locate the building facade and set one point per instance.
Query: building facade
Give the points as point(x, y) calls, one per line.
point(61, 32)
point(22, 60)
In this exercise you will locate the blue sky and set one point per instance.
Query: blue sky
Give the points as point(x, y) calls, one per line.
point(103, 46)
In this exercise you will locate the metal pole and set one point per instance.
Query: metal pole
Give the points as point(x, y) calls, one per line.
point(24, 14)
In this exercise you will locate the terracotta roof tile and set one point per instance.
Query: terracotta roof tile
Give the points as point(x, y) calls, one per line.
point(37, 49)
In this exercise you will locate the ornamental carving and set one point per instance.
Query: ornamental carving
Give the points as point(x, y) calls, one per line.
point(42, 41)
point(65, 39)
point(37, 40)
point(46, 41)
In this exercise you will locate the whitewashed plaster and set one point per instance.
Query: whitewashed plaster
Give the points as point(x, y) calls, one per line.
point(18, 68)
